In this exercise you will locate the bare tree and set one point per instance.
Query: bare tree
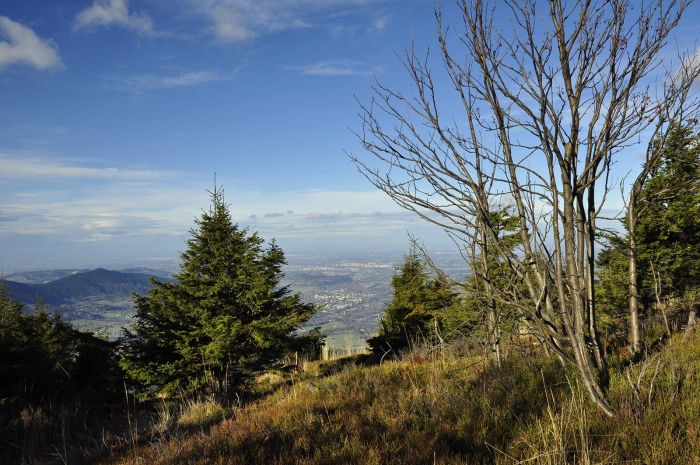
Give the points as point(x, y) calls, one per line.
point(547, 106)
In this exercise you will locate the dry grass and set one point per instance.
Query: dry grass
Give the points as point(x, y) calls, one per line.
point(59, 432)
point(437, 407)
point(433, 406)
point(430, 407)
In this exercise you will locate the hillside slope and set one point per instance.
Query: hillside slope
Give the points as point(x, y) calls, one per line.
point(438, 407)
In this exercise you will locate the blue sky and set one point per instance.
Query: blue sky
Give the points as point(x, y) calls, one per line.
point(115, 115)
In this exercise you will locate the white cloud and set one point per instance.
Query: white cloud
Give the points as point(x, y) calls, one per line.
point(32, 168)
point(230, 25)
point(380, 24)
point(65, 211)
point(322, 216)
point(240, 20)
point(113, 12)
point(306, 202)
point(338, 68)
point(143, 82)
point(24, 46)
point(689, 68)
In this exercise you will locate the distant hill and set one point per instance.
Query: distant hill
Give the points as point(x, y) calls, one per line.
point(41, 277)
point(81, 285)
point(46, 276)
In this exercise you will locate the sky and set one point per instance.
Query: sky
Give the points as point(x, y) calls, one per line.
point(117, 116)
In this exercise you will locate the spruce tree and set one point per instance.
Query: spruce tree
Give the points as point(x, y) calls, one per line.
point(667, 240)
point(223, 320)
point(483, 315)
point(669, 228)
point(414, 312)
point(42, 354)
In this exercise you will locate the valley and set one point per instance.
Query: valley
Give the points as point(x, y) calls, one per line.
point(352, 290)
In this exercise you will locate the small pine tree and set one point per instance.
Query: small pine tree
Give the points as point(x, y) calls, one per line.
point(226, 317)
point(414, 311)
point(484, 315)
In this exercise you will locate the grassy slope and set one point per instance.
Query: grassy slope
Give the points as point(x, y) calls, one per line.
point(445, 408)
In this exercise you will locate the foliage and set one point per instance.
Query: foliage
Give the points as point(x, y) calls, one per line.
point(310, 344)
point(669, 228)
point(484, 312)
point(667, 237)
point(417, 307)
point(612, 290)
point(223, 320)
point(41, 354)
point(541, 108)
point(49, 373)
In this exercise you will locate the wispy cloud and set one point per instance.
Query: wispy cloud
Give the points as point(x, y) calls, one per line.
point(305, 202)
point(323, 216)
point(380, 24)
point(240, 20)
point(8, 217)
point(689, 67)
point(144, 82)
point(338, 68)
point(22, 45)
point(105, 13)
point(33, 167)
point(64, 210)
point(33, 136)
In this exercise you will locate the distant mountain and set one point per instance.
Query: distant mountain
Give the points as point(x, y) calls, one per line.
point(83, 285)
point(41, 277)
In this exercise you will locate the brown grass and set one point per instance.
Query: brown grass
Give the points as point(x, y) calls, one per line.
point(433, 406)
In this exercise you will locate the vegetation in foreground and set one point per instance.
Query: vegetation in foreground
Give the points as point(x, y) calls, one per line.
point(444, 406)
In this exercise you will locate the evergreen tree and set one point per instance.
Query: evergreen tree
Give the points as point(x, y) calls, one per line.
point(225, 318)
point(667, 237)
point(612, 290)
point(40, 353)
point(669, 229)
point(414, 311)
point(10, 314)
point(483, 315)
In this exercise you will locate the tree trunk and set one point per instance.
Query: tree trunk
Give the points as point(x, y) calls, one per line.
point(633, 287)
point(690, 329)
point(494, 336)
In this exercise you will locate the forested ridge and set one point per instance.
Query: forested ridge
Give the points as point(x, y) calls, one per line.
point(80, 285)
